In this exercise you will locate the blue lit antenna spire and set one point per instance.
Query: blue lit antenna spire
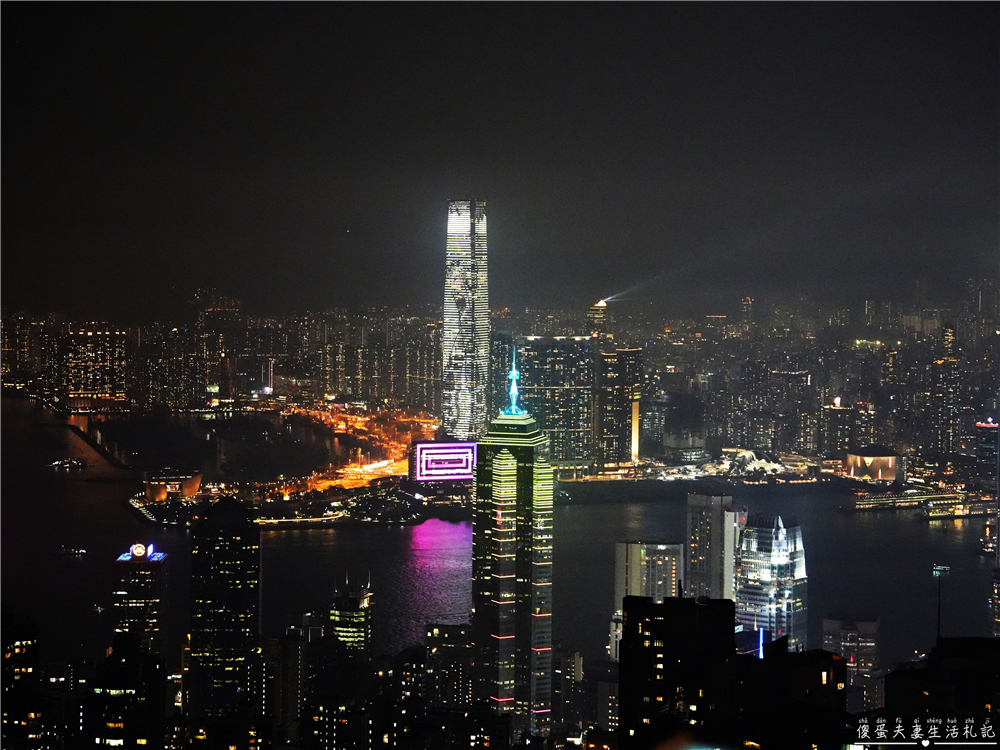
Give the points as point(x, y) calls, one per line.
point(513, 377)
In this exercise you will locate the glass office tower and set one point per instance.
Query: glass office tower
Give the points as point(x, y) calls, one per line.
point(771, 582)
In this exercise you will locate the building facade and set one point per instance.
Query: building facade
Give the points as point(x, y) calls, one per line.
point(139, 599)
point(225, 572)
point(617, 395)
point(92, 366)
point(512, 570)
point(465, 341)
point(988, 454)
point(351, 619)
point(857, 641)
point(771, 580)
point(712, 546)
point(675, 665)
point(651, 570)
point(557, 388)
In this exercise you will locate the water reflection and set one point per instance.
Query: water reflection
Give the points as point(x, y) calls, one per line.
point(418, 574)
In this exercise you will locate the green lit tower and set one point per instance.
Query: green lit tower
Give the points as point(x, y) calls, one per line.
point(512, 569)
point(351, 619)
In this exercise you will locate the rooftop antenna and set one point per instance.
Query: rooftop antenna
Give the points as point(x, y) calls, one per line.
point(513, 377)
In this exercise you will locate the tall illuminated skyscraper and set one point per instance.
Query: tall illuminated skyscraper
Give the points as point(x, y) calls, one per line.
point(512, 569)
point(465, 340)
point(771, 583)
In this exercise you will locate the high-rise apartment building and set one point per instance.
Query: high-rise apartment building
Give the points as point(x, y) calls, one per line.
point(838, 425)
point(771, 580)
point(712, 546)
point(465, 341)
point(512, 569)
point(124, 704)
point(225, 570)
point(448, 682)
point(139, 599)
point(856, 639)
point(651, 570)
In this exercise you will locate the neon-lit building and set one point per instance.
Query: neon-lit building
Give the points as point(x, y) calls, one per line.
point(771, 580)
point(139, 605)
point(512, 570)
point(465, 341)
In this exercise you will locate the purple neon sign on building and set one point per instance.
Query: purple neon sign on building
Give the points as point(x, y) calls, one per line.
point(444, 461)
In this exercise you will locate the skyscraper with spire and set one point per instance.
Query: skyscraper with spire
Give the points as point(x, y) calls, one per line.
point(771, 582)
point(512, 569)
point(465, 339)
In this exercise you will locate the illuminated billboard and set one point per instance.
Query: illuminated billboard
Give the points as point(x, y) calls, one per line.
point(442, 461)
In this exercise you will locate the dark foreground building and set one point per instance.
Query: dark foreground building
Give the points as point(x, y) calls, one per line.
point(224, 683)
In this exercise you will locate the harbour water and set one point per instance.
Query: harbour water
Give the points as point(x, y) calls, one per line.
point(860, 564)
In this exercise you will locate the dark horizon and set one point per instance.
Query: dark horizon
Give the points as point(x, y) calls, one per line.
point(301, 156)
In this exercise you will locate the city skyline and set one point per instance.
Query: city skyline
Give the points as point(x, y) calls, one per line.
point(672, 153)
point(741, 300)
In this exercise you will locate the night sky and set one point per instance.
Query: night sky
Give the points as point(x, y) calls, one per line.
point(300, 156)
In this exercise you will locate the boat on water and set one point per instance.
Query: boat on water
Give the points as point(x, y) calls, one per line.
point(71, 551)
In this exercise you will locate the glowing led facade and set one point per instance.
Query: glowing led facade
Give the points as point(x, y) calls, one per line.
point(465, 340)
point(771, 583)
point(512, 571)
point(444, 461)
point(872, 464)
